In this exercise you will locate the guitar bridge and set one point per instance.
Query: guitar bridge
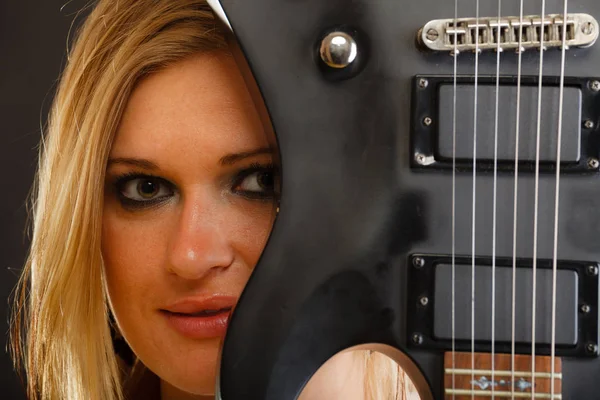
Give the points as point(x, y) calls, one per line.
point(471, 34)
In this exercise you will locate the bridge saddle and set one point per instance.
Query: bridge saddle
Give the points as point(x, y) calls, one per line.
point(482, 34)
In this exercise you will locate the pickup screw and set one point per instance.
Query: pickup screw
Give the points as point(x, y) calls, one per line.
point(420, 158)
point(417, 338)
point(593, 163)
point(423, 83)
point(424, 300)
point(418, 262)
point(591, 347)
point(427, 121)
point(587, 28)
point(585, 308)
point(595, 86)
point(592, 270)
point(588, 124)
point(432, 35)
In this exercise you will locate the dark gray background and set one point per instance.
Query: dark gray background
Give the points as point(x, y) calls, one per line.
point(33, 43)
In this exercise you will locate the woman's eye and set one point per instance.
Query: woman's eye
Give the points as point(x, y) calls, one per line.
point(144, 189)
point(258, 182)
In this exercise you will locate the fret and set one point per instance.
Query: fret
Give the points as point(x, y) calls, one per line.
point(476, 381)
point(518, 374)
point(499, 394)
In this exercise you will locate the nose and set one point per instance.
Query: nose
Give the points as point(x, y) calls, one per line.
point(200, 244)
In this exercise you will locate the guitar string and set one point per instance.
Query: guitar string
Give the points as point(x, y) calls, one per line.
point(454, 198)
point(515, 204)
point(498, 52)
point(477, 31)
point(494, 218)
point(536, 198)
point(556, 200)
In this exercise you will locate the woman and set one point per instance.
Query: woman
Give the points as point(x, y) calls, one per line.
point(155, 195)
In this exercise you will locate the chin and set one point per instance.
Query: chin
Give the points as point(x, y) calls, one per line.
point(194, 373)
point(202, 386)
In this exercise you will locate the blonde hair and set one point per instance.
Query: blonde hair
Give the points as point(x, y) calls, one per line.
point(385, 379)
point(60, 330)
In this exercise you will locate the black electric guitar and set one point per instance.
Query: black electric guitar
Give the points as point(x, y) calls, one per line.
point(441, 195)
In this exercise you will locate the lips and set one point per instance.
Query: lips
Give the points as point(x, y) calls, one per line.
point(200, 318)
point(203, 313)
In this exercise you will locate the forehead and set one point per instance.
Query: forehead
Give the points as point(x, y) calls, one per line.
point(197, 106)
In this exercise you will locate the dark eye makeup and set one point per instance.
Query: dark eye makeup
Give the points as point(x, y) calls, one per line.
point(258, 181)
point(140, 191)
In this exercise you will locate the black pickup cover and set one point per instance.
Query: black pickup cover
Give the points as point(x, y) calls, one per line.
point(577, 286)
point(434, 102)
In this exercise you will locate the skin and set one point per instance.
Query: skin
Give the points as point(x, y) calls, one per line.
point(206, 236)
point(194, 129)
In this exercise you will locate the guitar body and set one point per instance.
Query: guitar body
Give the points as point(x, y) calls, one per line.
point(365, 229)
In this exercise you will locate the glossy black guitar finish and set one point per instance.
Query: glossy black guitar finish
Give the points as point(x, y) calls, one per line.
point(357, 204)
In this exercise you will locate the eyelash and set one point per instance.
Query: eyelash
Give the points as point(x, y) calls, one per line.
point(128, 203)
point(252, 169)
point(237, 180)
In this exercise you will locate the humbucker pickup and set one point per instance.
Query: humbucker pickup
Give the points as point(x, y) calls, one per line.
point(531, 32)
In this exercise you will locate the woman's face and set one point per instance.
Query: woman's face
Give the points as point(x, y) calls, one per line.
point(189, 204)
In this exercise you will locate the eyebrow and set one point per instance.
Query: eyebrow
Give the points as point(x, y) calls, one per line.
point(135, 162)
point(229, 159)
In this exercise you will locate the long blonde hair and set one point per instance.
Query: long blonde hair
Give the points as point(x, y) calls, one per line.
point(60, 331)
point(384, 378)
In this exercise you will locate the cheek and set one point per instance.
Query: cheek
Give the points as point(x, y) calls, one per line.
point(137, 261)
point(135, 250)
point(252, 227)
point(133, 254)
